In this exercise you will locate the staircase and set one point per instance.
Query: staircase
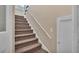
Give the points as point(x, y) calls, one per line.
point(25, 39)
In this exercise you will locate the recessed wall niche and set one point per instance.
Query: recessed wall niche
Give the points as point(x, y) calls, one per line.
point(2, 18)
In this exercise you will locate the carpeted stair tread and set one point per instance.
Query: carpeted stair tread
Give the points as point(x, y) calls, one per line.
point(23, 30)
point(28, 48)
point(41, 51)
point(19, 35)
point(22, 26)
point(25, 41)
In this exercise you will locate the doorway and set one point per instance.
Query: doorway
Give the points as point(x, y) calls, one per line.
point(64, 34)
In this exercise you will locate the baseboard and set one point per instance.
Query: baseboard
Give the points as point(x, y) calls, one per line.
point(44, 47)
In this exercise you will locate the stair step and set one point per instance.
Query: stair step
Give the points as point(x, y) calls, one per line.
point(26, 42)
point(24, 35)
point(21, 23)
point(20, 20)
point(19, 17)
point(40, 51)
point(23, 31)
point(28, 48)
point(26, 27)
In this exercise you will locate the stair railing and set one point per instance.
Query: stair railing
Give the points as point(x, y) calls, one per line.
point(26, 8)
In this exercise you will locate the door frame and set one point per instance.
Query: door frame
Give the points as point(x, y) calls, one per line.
point(10, 27)
point(64, 18)
point(75, 19)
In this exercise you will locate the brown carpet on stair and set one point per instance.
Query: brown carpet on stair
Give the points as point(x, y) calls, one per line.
point(25, 39)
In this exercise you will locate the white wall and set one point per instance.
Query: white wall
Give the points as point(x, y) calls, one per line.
point(19, 9)
point(46, 16)
point(3, 42)
point(7, 37)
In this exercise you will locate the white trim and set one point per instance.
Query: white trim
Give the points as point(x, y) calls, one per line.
point(75, 10)
point(43, 46)
point(64, 18)
point(10, 28)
